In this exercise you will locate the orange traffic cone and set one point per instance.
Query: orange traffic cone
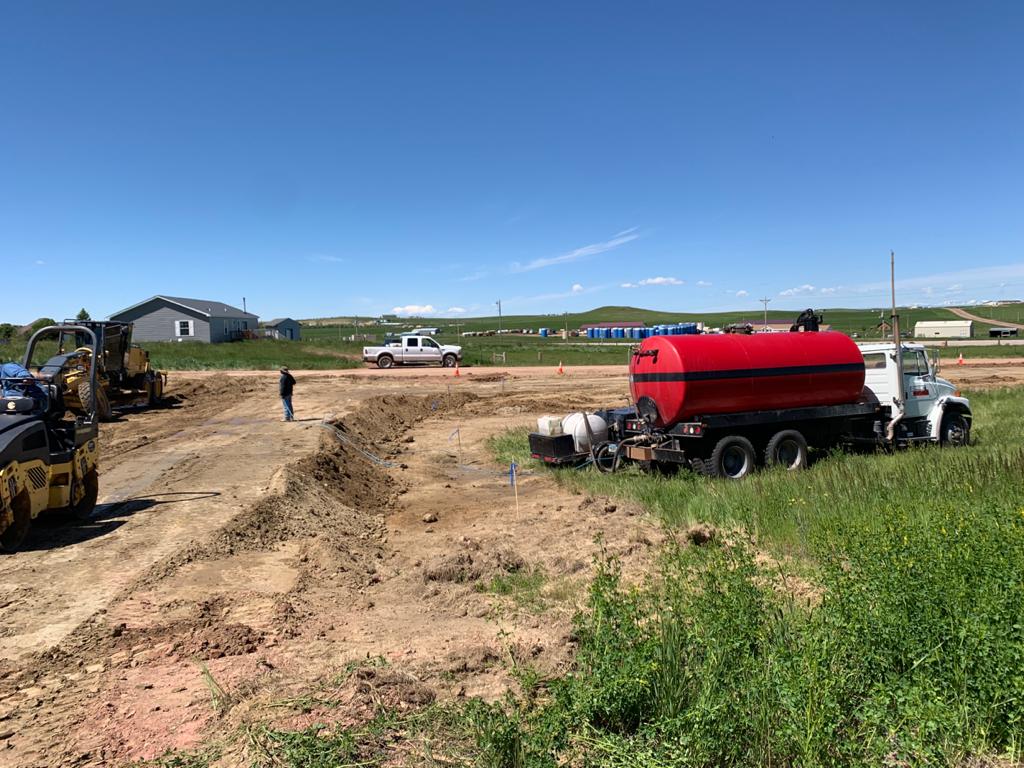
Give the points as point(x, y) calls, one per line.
point(960, 360)
point(561, 370)
point(457, 374)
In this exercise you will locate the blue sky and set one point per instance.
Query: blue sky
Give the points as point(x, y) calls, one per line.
point(341, 157)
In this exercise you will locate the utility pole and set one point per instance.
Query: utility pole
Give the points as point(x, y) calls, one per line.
point(765, 302)
point(498, 302)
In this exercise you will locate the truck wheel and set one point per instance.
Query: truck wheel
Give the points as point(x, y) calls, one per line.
point(15, 533)
point(385, 361)
point(85, 506)
point(955, 430)
point(787, 449)
point(732, 458)
point(448, 361)
point(85, 394)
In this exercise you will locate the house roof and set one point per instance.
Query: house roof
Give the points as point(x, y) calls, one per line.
point(278, 321)
point(202, 306)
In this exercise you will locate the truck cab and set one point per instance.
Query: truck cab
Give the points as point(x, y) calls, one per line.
point(933, 409)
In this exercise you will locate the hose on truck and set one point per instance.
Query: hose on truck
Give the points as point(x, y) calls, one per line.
point(604, 448)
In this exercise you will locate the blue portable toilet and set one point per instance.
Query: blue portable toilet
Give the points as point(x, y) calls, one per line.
point(543, 333)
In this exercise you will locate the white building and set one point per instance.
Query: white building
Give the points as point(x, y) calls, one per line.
point(944, 329)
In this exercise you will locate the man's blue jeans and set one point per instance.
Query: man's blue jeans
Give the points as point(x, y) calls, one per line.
point(289, 414)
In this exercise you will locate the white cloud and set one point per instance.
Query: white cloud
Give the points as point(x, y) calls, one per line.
point(414, 309)
point(626, 236)
point(479, 274)
point(703, 284)
point(805, 288)
point(577, 288)
point(662, 281)
point(40, 262)
point(655, 281)
point(955, 288)
point(455, 311)
point(326, 258)
point(827, 291)
point(741, 294)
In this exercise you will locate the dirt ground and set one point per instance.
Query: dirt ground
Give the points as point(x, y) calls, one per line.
point(236, 561)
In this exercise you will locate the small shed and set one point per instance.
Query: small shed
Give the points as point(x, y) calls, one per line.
point(284, 328)
point(944, 329)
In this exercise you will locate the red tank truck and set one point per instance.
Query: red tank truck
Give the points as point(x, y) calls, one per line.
point(724, 404)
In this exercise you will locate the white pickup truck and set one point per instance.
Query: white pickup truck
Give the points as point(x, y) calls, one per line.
point(413, 350)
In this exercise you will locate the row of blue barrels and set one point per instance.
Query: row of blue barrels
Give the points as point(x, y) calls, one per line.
point(679, 329)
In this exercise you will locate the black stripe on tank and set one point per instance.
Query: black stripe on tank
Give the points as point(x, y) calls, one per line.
point(742, 373)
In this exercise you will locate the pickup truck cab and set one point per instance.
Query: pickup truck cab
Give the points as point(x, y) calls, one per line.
point(413, 350)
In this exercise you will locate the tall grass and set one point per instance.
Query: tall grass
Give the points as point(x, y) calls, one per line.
point(910, 653)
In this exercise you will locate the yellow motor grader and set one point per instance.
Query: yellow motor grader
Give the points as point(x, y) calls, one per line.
point(47, 460)
point(123, 371)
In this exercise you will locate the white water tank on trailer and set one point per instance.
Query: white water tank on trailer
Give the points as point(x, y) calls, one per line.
point(549, 426)
point(574, 425)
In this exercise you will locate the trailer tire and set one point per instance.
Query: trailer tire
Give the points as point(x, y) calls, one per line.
point(733, 458)
point(786, 449)
point(14, 534)
point(385, 361)
point(955, 430)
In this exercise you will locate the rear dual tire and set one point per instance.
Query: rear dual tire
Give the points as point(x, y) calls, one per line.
point(732, 458)
point(787, 449)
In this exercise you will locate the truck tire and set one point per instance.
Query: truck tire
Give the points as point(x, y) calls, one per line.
point(85, 506)
point(449, 361)
point(786, 449)
point(12, 536)
point(385, 361)
point(103, 410)
point(733, 458)
point(955, 430)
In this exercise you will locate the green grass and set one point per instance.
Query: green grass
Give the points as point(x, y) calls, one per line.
point(905, 647)
point(524, 588)
point(265, 354)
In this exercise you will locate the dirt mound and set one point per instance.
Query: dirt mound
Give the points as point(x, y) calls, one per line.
point(472, 564)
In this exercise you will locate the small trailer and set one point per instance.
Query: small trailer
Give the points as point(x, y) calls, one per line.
point(725, 404)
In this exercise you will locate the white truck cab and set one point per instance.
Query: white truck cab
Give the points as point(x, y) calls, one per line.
point(931, 408)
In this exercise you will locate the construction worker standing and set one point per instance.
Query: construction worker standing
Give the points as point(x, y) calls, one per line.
point(284, 387)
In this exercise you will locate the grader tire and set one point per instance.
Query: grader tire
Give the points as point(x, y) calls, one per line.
point(103, 410)
point(12, 536)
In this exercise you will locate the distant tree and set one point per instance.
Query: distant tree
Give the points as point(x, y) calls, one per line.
point(42, 322)
point(83, 314)
point(7, 332)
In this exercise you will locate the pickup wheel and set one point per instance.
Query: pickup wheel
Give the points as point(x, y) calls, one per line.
point(733, 458)
point(385, 361)
point(787, 449)
point(448, 361)
point(955, 430)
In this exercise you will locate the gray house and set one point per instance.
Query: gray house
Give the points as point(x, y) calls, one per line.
point(170, 318)
point(284, 328)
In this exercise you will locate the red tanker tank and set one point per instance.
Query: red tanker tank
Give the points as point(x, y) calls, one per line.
point(691, 376)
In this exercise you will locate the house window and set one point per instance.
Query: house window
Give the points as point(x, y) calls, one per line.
point(185, 328)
